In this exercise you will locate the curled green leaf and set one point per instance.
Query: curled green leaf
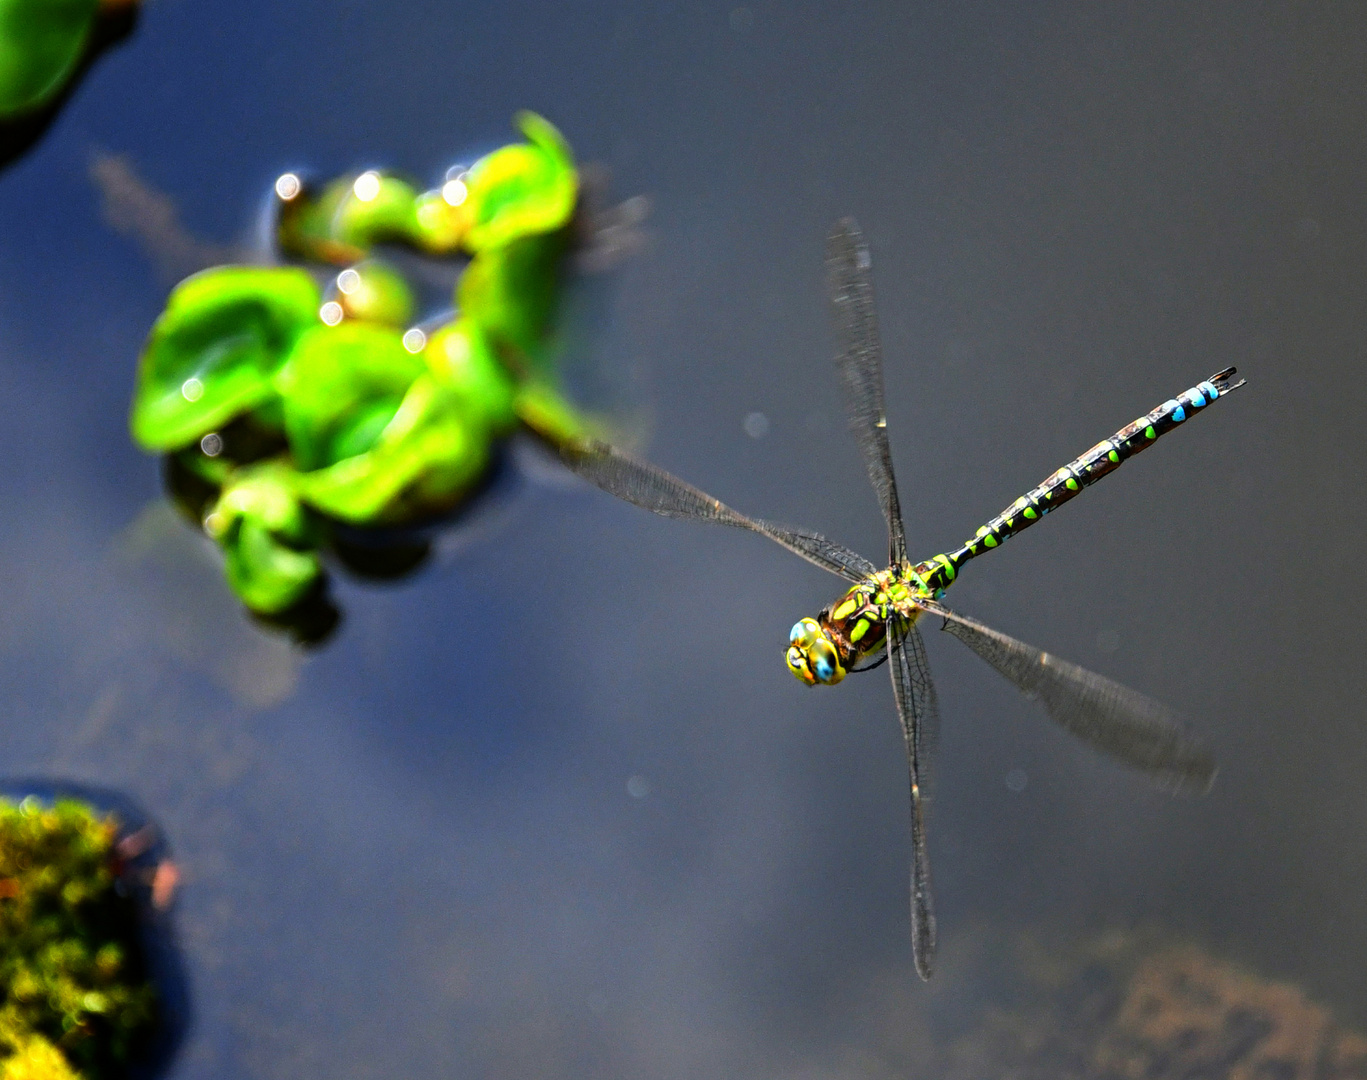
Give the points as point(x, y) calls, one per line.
point(523, 189)
point(341, 222)
point(267, 538)
point(377, 435)
point(422, 464)
point(342, 386)
point(214, 352)
point(379, 207)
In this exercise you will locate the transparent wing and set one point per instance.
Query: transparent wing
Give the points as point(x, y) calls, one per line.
point(653, 489)
point(860, 359)
point(1112, 718)
point(919, 713)
point(928, 721)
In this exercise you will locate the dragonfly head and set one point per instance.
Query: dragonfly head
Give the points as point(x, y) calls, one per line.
point(812, 656)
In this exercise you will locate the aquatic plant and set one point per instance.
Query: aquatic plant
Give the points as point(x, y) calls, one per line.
point(289, 408)
point(74, 997)
point(45, 47)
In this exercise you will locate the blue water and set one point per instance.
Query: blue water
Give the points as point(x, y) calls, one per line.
point(553, 806)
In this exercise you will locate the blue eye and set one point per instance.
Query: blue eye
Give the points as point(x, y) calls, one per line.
point(797, 632)
point(823, 669)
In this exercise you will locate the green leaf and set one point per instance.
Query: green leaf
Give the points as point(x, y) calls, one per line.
point(374, 291)
point(441, 226)
point(266, 537)
point(462, 359)
point(513, 293)
point(380, 207)
point(305, 227)
point(340, 388)
point(377, 437)
point(522, 189)
point(41, 45)
point(213, 353)
point(545, 411)
point(425, 460)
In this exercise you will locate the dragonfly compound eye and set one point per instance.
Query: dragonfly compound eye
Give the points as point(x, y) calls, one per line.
point(804, 632)
point(812, 658)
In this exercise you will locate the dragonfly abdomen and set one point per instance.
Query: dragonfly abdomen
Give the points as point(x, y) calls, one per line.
point(1062, 485)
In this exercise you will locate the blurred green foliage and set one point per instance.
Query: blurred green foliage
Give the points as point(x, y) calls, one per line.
point(215, 350)
point(74, 1000)
point(42, 43)
point(288, 408)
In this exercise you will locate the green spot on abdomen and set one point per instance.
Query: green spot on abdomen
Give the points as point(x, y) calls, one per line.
point(1149, 433)
point(990, 541)
point(1030, 514)
point(1071, 484)
point(1114, 457)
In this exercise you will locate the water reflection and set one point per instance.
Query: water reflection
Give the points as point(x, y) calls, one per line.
point(1127, 1004)
point(191, 619)
point(415, 866)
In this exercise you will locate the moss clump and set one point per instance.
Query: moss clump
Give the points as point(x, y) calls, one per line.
point(74, 997)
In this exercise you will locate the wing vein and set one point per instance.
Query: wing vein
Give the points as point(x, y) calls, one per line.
point(1121, 723)
point(859, 357)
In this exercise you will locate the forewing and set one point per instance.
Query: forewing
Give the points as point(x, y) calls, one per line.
point(1114, 719)
point(860, 359)
point(918, 711)
point(653, 489)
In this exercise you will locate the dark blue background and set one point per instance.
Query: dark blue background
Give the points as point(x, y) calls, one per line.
point(414, 852)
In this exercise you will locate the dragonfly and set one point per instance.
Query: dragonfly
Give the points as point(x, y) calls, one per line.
point(875, 621)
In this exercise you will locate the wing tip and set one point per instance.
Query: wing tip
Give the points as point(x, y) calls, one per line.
point(845, 237)
point(923, 950)
point(1195, 778)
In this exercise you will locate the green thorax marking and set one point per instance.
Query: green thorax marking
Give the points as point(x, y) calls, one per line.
point(857, 623)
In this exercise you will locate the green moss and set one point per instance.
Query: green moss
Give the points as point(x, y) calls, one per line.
point(34, 1058)
point(74, 998)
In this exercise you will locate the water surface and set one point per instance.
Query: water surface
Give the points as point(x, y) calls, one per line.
point(554, 807)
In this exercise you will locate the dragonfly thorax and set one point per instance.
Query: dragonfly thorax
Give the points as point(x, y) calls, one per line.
point(825, 649)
